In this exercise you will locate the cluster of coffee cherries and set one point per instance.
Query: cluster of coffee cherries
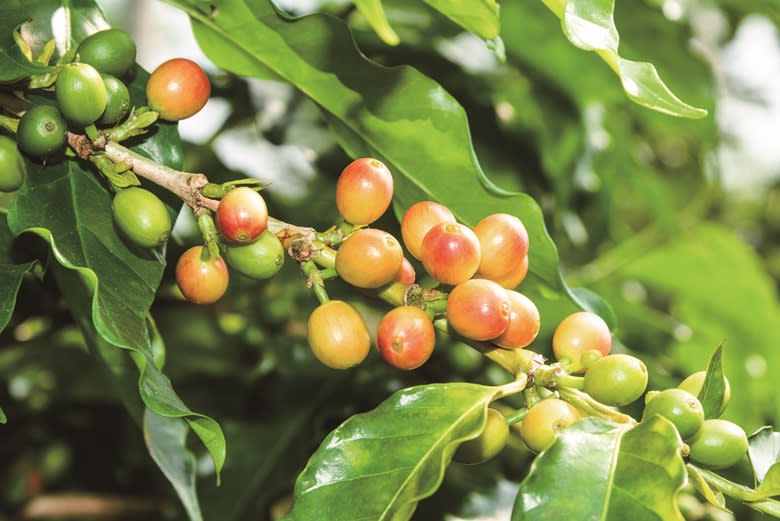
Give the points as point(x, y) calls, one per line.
point(582, 343)
point(244, 242)
point(90, 96)
point(479, 265)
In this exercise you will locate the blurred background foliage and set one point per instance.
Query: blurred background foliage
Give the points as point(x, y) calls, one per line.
point(674, 222)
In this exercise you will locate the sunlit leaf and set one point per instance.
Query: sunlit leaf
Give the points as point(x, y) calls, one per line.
point(764, 451)
point(378, 465)
point(372, 10)
point(589, 25)
point(713, 388)
point(598, 470)
point(480, 17)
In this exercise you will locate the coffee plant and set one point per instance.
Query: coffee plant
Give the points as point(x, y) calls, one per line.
point(574, 331)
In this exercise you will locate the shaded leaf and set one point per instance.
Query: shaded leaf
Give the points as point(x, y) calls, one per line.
point(166, 439)
point(11, 273)
point(414, 432)
point(599, 470)
point(764, 451)
point(713, 388)
point(589, 25)
point(3, 418)
point(395, 114)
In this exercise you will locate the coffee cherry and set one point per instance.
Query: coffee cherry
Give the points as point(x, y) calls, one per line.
point(488, 444)
point(694, 382)
point(42, 131)
point(418, 220)
point(514, 278)
point(369, 258)
point(523, 322)
point(12, 167)
point(178, 89)
point(503, 241)
point(580, 332)
point(616, 379)
point(718, 444)
point(679, 407)
point(81, 94)
point(141, 217)
point(242, 215)
point(201, 278)
point(117, 100)
point(405, 337)
point(406, 274)
point(261, 259)
point(545, 420)
point(337, 335)
point(111, 51)
point(479, 309)
point(364, 191)
point(450, 253)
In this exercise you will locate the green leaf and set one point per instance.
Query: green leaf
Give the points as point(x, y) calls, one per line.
point(11, 273)
point(166, 439)
point(3, 419)
point(770, 486)
point(590, 25)
point(40, 18)
point(378, 465)
point(395, 114)
point(372, 10)
point(713, 497)
point(599, 470)
point(764, 451)
point(477, 16)
point(713, 388)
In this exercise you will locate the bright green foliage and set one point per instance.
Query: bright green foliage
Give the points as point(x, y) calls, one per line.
point(416, 430)
point(597, 470)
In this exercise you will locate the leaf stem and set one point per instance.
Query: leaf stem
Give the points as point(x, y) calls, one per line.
point(314, 281)
point(746, 494)
point(583, 401)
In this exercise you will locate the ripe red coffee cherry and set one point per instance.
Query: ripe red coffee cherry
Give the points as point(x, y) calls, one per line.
point(479, 309)
point(580, 332)
point(364, 191)
point(337, 335)
point(369, 258)
point(523, 322)
point(405, 337)
point(514, 278)
point(503, 241)
point(418, 220)
point(242, 215)
point(201, 278)
point(178, 89)
point(450, 253)
point(406, 274)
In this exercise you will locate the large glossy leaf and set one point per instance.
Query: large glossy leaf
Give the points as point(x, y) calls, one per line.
point(11, 273)
point(395, 114)
point(589, 24)
point(718, 288)
point(597, 470)
point(378, 465)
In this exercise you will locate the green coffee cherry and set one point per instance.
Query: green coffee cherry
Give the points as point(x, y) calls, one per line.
point(141, 217)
